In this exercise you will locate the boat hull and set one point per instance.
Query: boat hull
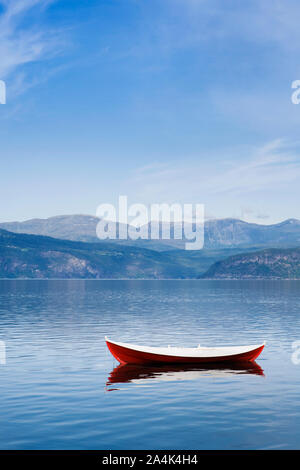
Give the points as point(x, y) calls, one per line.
point(129, 355)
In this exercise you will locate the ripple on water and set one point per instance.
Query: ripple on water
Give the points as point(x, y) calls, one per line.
point(60, 387)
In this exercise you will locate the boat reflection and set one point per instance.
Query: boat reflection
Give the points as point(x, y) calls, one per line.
point(130, 373)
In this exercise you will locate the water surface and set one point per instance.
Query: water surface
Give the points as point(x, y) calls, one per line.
point(61, 389)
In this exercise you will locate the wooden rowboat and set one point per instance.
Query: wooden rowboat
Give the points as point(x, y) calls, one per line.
point(132, 354)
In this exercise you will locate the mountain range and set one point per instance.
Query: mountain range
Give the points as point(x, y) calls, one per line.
point(36, 256)
point(272, 263)
point(218, 233)
point(67, 247)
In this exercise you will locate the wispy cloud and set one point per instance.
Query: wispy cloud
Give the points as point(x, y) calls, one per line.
point(274, 166)
point(257, 21)
point(24, 38)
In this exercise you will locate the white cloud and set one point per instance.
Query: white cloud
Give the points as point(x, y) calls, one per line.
point(226, 185)
point(275, 162)
point(23, 42)
point(256, 21)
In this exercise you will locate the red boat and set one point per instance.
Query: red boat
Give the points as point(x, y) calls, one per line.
point(132, 354)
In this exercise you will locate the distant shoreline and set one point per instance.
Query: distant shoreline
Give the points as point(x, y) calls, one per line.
point(145, 279)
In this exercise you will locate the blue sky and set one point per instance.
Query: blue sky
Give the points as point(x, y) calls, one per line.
point(161, 100)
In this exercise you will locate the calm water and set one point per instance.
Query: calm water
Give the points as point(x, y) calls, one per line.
point(60, 387)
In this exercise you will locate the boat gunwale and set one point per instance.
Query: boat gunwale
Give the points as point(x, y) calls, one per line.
point(196, 352)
